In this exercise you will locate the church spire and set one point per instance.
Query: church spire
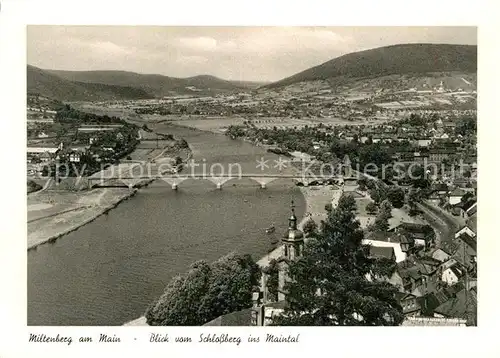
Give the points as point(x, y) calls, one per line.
point(292, 222)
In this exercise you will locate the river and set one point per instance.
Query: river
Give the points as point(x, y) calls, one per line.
point(108, 271)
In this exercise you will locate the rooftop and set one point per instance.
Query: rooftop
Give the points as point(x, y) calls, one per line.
point(387, 252)
point(463, 305)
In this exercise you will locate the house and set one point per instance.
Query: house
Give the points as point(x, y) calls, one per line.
point(453, 273)
point(471, 210)
point(421, 234)
point(466, 256)
point(438, 155)
point(420, 156)
point(434, 198)
point(407, 244)
point(399, 254)
point(462, 305)
point(411, 277)
point(464, 205)
point(409, 303)
point(465, 230)
point(424, 142)
point(449, 125)
point(433, 299)
point(455, 196)
point(472, 223)
point(382, 252)
point(439, 188)
point(419, 276)
point(440, 255)
point(74, 157)
point(466, 250)
point(44, 153)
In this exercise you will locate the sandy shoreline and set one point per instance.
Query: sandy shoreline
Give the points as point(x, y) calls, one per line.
point(73, 211)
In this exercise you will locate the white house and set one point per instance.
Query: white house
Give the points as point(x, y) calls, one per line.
point(440, 255)
point(456, 196)
point(424, 142)
point(74, 157)
point(452, 275)
point(465, 230)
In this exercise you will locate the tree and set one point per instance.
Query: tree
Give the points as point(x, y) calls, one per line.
point(419, 177)
point(310, 227)
point(371, 208)
point(386, 208)
point(414, 196)
point(272, 270)
point(378, 193)
point(362, 184)
point(329, 283)
point(396, 197)
point(328, 207)
point(347, 202)
point(206, 292)
point(177, 160)
point(381, 221)
point(466, 197)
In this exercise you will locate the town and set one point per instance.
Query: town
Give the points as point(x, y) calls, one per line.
point(380, 170)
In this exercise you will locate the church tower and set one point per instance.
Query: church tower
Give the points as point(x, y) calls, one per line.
point(293, 246)
point(293, 240)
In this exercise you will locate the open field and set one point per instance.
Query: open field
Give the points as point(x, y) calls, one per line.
point(364, 218)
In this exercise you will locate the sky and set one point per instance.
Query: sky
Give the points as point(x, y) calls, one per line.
point(261, 54)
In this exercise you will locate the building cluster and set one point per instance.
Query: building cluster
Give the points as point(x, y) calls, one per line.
point(437, 284)
point(435, 279)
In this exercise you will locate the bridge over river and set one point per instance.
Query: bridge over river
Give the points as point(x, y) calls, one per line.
point(219, 180)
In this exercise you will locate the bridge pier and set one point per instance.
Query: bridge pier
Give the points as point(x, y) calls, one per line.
point(264, 181)
point(219, 186)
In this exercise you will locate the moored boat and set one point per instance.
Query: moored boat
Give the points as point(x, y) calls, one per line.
point(270, 230)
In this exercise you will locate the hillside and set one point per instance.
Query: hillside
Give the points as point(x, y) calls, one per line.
point(48, 85)
point(154, 85)
point(407, 59)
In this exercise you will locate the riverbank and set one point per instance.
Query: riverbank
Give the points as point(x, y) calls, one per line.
point(52, 215)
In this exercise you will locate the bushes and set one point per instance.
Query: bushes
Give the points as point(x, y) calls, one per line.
point(371, 208)
point(396, 196)
point(310, 227)
point(206, 292)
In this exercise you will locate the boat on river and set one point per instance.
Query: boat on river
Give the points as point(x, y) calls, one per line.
point(270, 230)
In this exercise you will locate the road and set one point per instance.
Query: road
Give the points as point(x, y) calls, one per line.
point(446, 225)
